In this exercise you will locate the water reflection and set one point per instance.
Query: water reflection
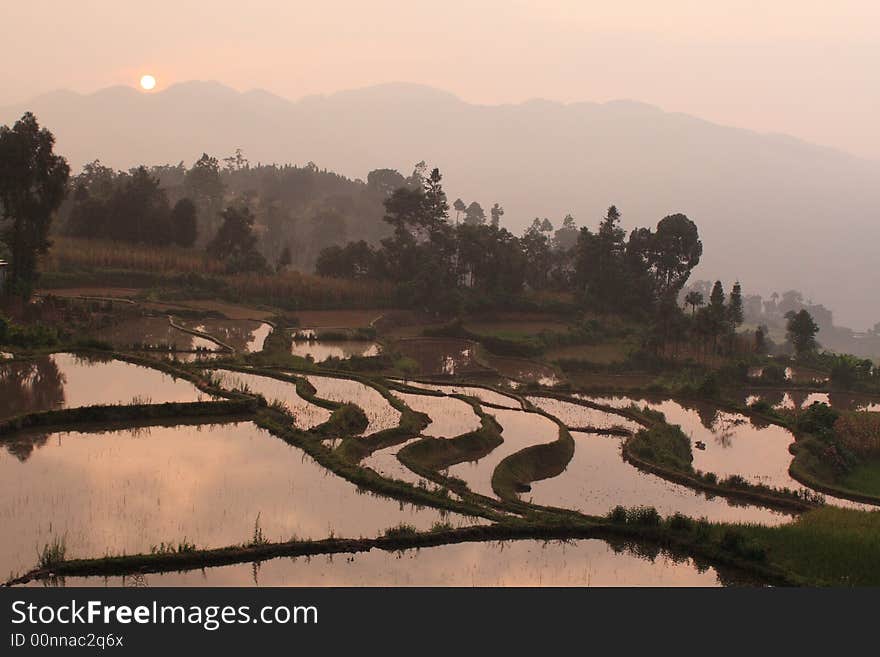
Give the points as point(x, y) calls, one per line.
point(154, 333)
point(796, 399)
point(597, 479)
point(587, 562)
point(69, 381)
point(386, 463)
point(125, 491)
point(243, 335)
point(524, 370)
point(582, 417)
point(380, 414)
point(450, 417)
point(483, 394)
point(519, 430)
point(732, 444)
point(441, 356)
point(319, 351)
point(306, 415)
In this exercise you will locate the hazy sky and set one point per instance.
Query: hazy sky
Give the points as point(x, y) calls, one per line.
point(810, 68)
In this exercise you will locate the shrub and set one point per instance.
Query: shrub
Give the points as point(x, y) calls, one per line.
point(773, 374)
point(680, 522)
point(819, 420)
point(400, 531)
point(617, 514)
point(644, 515)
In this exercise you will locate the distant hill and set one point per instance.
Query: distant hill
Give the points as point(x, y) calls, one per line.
point(775, 212)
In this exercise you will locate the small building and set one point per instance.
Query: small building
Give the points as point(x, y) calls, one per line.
point(3, 268)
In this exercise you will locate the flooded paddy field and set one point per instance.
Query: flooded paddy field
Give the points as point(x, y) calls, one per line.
point(321, 350)
point(483, 394)
point(243, 335)
point(800, 399)
point(519, 430)
point(527, 371)
point(442, 356)
point(385, 462)
point(306, 415)
point(67, 380)
point(450, 417)
point(154, 333)
point(579, 417)
point(586, 562)
point(597, 479)
point(380, 414)
point(127, 491)
point(733, 444)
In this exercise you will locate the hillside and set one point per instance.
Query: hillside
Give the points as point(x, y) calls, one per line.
point(774, 212)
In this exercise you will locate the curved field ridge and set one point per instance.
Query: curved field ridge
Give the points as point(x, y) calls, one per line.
point(516, 472)
point(306, 414)
point(483, 394)
point(598, 479)
point(577, 416)
point(733, 444)
point(381, 415)
point(449, 417)
point(519, 429)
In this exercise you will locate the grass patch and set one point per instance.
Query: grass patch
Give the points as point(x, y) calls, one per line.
point(664, 445)
point(829, 545)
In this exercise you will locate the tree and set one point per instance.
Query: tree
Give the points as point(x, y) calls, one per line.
point(184, 224)
point(460, 208)
point(801, 330)
point(761, 340)
point(474, 215)
point(566, 237)
point(33, 183)
point(139, 210)
point(694, 299)
point(676, 250)
point(204, 185)
point(735, 306)
point(385, 181)
point(284, 259)
point(496, 212)
point(235, 242)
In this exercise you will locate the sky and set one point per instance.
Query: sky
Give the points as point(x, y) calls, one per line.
point(807, 68)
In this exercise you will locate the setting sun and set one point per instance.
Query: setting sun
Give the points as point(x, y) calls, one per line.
point(148, 82)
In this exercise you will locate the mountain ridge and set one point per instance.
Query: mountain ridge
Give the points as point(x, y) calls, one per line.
point(775, 211)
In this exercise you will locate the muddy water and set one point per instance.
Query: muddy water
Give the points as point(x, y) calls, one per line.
point(441, 356)
point(598, 479)
point(380, 414)
point(243, 335)
point(154, 333)
point(320, 351)
point(125, 491)
point(68, 381)
point(519, 430)
point(734, 445)
point(306, 415)
point(577, 416)
point(450, 417)
point(589, 562)
point(488, 396)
